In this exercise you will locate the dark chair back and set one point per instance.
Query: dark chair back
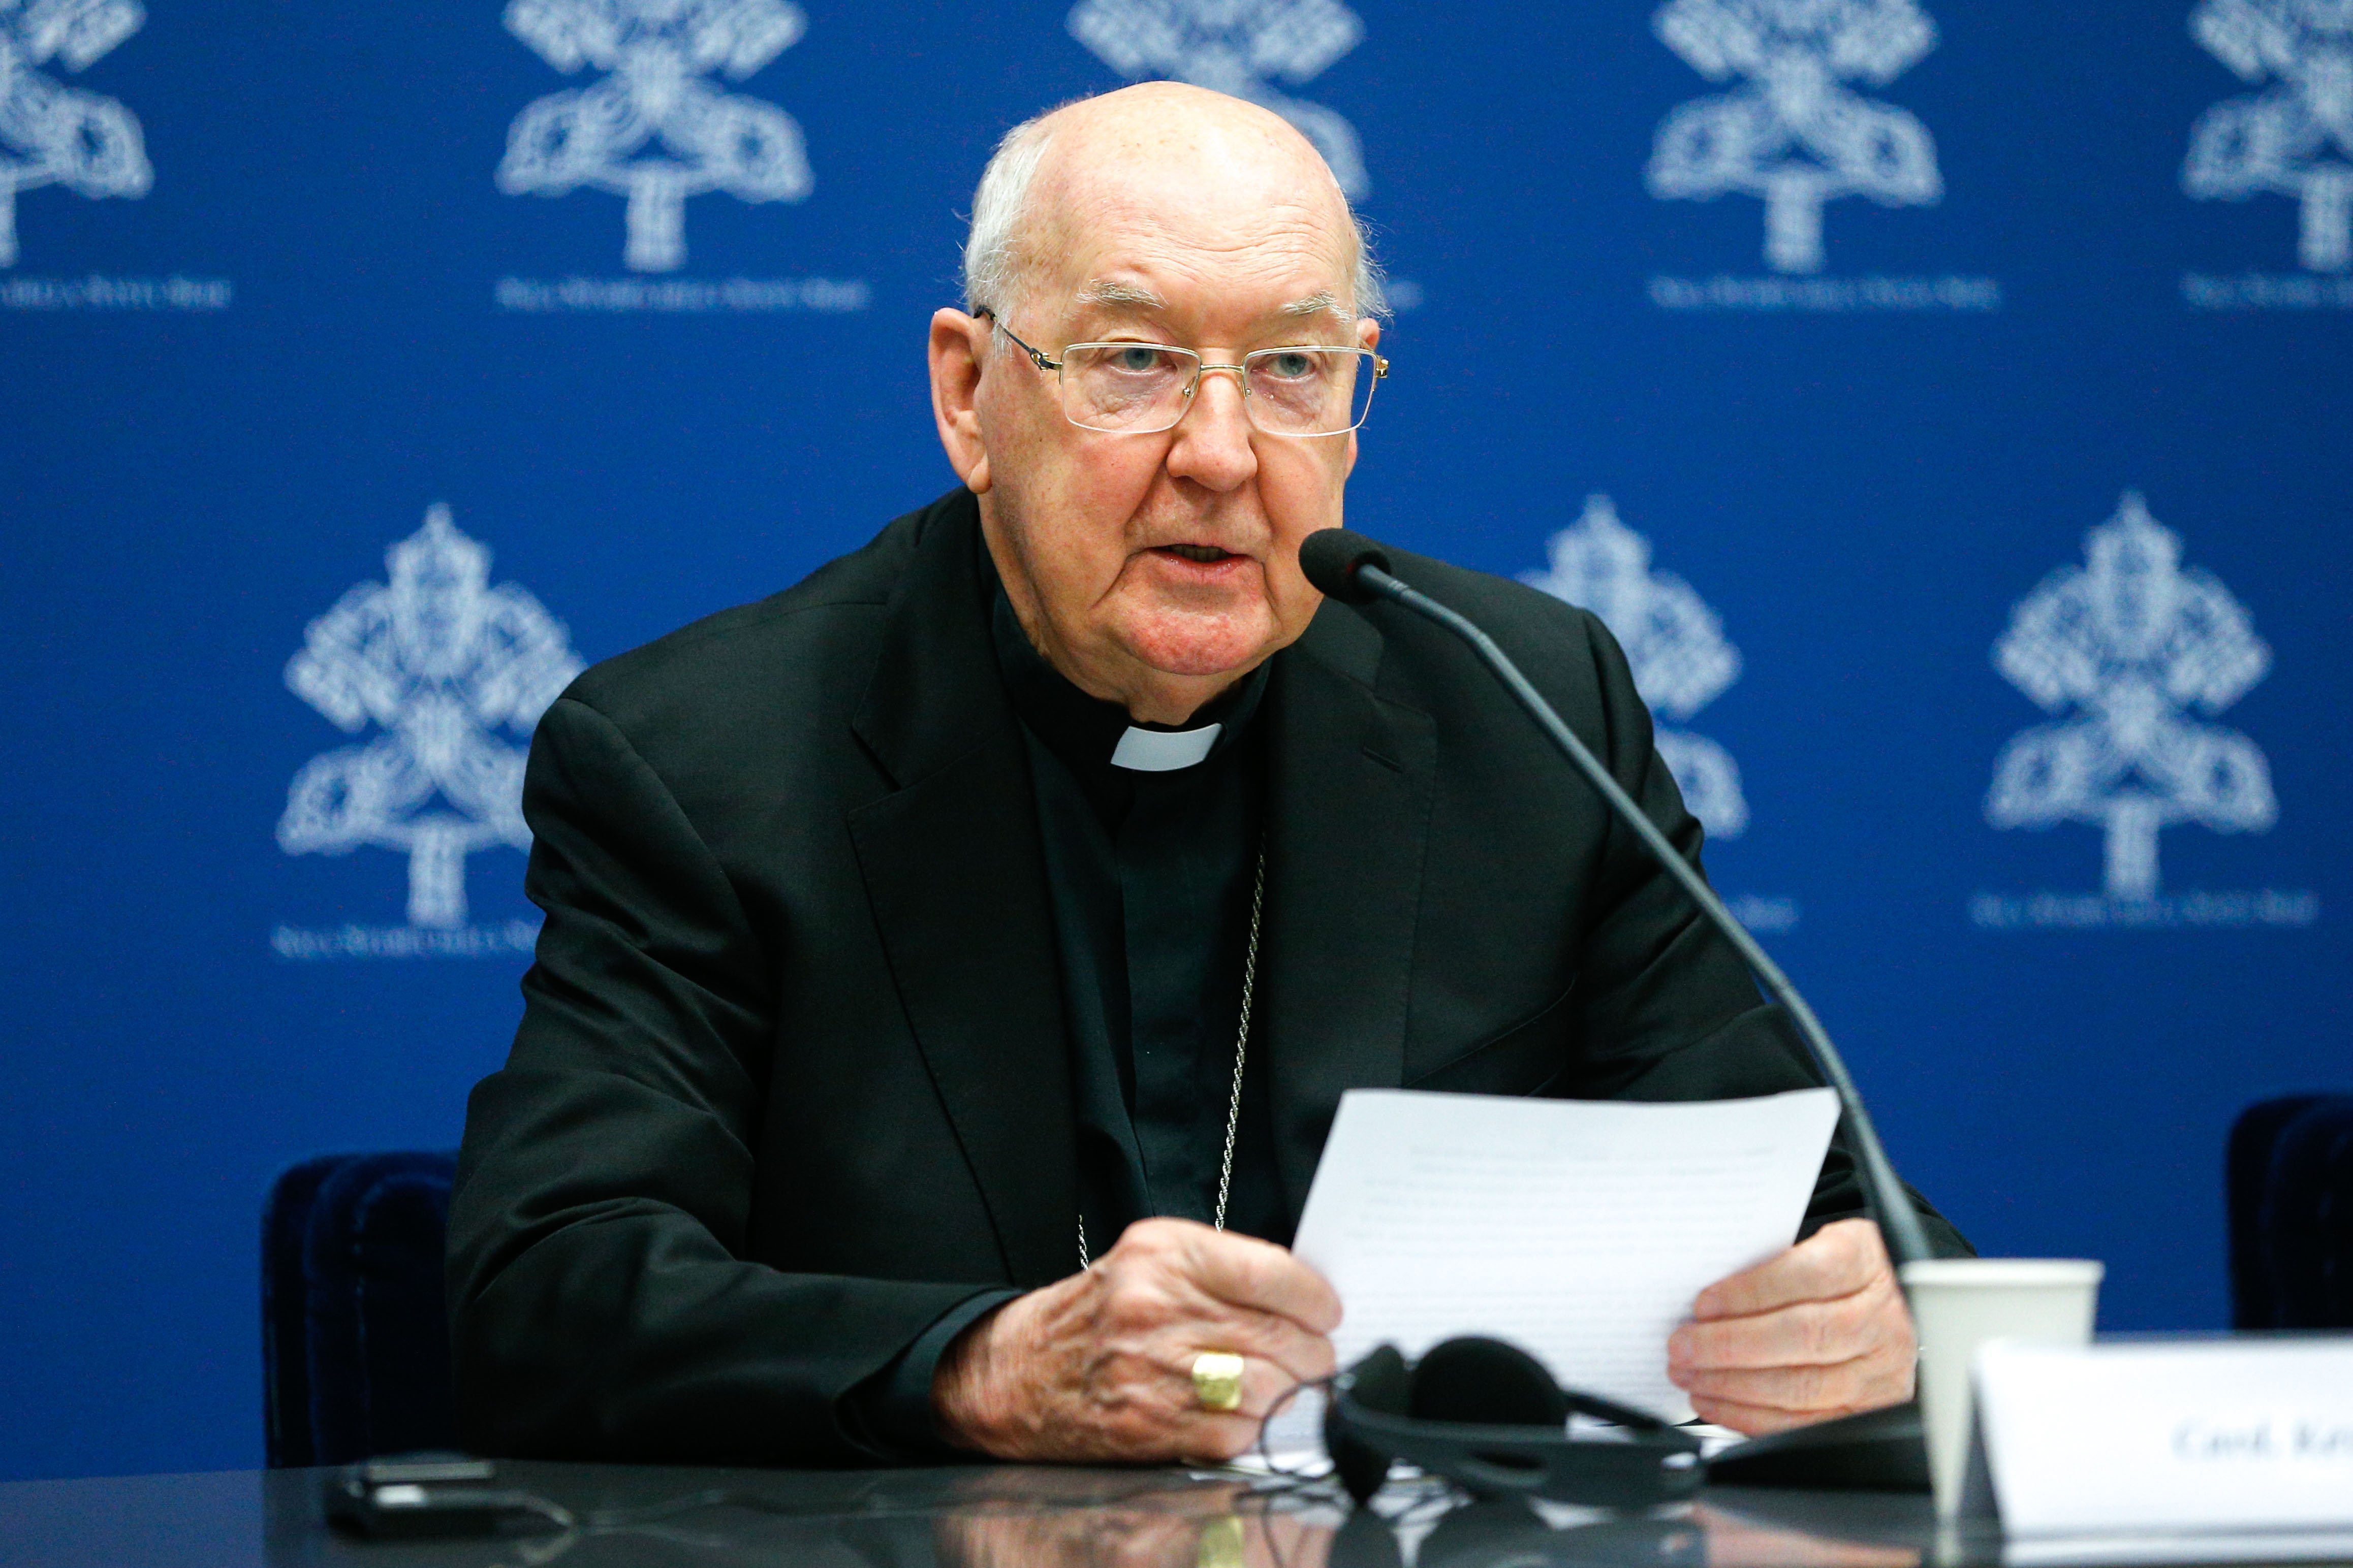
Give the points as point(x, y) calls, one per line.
point(354, 1337)
point(2290, 1179)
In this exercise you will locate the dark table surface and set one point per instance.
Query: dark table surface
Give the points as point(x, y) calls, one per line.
point(972, 1517)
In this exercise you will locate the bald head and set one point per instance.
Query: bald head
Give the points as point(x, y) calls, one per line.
point(1193, 170)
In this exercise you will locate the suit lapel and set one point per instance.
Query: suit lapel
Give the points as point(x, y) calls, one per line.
point(1349, 790)
point(955, 877)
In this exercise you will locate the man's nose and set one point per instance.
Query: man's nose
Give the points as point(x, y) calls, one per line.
point(1213, 437)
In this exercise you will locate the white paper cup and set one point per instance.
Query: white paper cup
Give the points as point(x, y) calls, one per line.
point(1959, 1303)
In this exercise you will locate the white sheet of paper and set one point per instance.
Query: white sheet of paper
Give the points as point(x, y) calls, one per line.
point(1581, 1230)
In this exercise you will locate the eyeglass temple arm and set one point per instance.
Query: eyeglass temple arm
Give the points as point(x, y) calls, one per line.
point(1050, 365)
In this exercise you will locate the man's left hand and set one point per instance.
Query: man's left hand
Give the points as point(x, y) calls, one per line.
point(1816, 1332)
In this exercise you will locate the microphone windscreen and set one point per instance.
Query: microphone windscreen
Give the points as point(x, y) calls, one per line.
point(1330, 557)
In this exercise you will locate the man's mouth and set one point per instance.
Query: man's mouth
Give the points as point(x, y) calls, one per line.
point(1201, 552)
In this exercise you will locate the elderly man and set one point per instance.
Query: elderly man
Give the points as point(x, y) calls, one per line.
point(953, 964)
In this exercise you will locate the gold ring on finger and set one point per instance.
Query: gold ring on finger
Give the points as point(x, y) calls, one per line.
point(1218, 1380)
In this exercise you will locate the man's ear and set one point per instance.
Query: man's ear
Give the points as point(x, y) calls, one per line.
point(1368, 336)
point(959, 342)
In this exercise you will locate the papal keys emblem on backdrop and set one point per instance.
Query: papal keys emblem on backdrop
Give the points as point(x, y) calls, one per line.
point(1234, 47)
point(2130, 646)
point(653, 130)
point(51, 134)
point(1794, 133)
point(1674, 644)
point(442, 663)
point(2295, 138)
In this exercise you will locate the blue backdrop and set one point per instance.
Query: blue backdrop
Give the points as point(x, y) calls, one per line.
point(1859, 317)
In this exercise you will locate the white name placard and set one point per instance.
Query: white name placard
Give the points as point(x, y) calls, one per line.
point(2126, 1438)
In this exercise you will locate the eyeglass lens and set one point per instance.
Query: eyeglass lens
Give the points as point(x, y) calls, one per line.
point(1138, 388)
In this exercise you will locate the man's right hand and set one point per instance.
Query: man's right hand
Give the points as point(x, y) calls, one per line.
point(1100, 1366)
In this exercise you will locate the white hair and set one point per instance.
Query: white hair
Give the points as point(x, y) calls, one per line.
point(994, 257)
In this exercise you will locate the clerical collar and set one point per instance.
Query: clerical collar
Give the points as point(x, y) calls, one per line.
point(1143, 750)
point(1087, 730)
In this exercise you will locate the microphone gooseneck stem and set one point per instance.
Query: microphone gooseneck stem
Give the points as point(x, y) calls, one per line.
point(1899, 1224)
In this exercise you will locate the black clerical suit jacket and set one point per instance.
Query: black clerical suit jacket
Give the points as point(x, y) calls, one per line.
point(793, 1082)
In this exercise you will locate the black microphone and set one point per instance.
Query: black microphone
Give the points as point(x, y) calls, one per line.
point(1347, 566)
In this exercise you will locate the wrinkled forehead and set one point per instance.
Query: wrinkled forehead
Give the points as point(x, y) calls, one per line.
point(1199, 227)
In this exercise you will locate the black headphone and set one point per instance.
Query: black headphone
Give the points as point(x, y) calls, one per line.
point(1487, 1414)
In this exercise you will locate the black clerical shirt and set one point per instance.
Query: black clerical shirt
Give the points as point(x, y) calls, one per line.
point(1150, 875)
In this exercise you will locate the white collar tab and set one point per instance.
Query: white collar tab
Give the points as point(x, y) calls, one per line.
point(1164, 751)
